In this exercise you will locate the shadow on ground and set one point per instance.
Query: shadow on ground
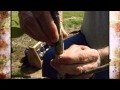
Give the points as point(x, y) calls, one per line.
point(26, 68)
point(16, 32)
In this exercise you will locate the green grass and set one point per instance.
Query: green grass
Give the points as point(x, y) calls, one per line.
point(15, 19)
point(72, 19)
point(68, 14)
point(16, 32)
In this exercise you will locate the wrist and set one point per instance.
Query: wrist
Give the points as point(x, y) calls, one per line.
point(99, 59)
point(104, 55)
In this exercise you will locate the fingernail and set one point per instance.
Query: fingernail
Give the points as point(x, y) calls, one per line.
point(54, 41)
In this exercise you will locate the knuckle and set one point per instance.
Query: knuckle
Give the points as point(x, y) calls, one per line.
point(73, 45)
point(78, 70)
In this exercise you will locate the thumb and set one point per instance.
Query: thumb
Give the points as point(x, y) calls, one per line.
point(65, 35)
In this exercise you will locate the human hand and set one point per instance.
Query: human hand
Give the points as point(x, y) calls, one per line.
point(40, 26)
point(76, 60)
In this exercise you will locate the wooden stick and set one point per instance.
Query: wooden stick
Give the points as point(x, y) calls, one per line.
point(36, 45)
point(59, 46)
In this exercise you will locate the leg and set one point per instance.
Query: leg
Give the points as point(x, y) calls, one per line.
point(48, 71)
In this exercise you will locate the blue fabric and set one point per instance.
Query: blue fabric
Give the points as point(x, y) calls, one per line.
point(48, 71)
point(102, 75)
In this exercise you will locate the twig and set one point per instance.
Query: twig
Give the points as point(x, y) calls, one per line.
point(59, 46)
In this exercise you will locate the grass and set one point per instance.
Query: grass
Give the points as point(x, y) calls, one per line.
point(15, 19)
point(72, 19)
point(16, 32)
point(20, 41)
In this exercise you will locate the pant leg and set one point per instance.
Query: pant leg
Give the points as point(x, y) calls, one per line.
point(47, 70)
point(102, 75)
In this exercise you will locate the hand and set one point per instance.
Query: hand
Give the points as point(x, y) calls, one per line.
point(40, 26)
point(76, 60)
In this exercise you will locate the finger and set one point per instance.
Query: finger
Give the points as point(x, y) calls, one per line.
point(90, 55)
point(73, 58)
point(30, 24)
point(65, 59)
point(75, 55)
point(31, 27)
point(21, 16)
point(61, 24)
point(65, 35)
point(66, 69)
point(89, 66)
point(44, 18)
point(75, 69)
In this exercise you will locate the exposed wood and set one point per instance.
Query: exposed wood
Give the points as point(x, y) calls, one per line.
point(33, 57)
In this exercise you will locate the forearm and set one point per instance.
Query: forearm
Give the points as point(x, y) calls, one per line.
point(104, 55)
